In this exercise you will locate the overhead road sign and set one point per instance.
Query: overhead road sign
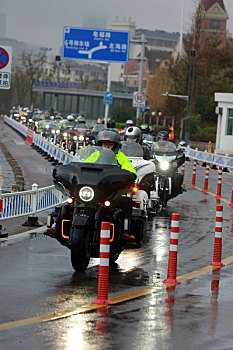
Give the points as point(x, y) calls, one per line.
point(5, 66)
point(139, 99)
point(95, 44)
point(108, 97)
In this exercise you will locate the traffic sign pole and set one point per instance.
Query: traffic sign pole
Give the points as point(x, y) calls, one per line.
point(140, 84)
point(108, 89)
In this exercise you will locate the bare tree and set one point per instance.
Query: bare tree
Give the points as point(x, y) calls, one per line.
point(34, 66)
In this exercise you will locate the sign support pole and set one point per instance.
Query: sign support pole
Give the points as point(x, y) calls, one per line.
point(140, 83)
point(108, 89)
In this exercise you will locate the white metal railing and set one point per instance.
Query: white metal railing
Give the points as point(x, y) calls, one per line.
point(212, 158)
point(17, 204)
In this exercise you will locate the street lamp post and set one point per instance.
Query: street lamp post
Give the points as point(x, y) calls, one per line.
point(190, 94)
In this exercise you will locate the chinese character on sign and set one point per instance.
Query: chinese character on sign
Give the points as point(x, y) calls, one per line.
point(5, 80)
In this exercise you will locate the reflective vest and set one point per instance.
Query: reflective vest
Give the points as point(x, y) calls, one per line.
point(171, 133)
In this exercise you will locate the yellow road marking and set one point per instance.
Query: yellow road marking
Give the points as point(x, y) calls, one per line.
point(210, 193)
point(116, 300)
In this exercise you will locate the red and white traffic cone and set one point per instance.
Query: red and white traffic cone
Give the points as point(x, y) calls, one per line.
point(218, 238)
point(102, 295)
point(231, 204)
point(172, 262)
point(194, 172)
point(205, 190)
point(219, 187)
point(182, 169)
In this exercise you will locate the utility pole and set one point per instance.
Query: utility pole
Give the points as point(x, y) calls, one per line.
point(141, 59)
point(190, 94)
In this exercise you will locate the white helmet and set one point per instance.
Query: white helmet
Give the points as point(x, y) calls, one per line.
point(129, 122)
point(70, 117)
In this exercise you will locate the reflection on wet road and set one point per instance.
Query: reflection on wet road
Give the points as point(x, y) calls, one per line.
point(37, 278)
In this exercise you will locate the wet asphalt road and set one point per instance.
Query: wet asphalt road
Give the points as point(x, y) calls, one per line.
point(37, 278)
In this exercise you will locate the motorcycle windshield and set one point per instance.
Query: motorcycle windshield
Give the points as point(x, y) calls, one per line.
point(132, 149)
point(163, 147)
point(97, 154)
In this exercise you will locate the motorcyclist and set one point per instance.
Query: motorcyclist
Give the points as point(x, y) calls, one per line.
point(133, 133)
point(81, 120)
point(100, 121)
point(129, 123)
point(145, 128)
point(162, 136)
point(111, 140)
point(111, 125)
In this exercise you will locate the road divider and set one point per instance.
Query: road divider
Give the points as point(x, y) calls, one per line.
point(218, 238)
point(172, 260)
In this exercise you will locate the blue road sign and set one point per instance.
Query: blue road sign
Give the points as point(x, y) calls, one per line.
point(108, 97)
point(95, 44)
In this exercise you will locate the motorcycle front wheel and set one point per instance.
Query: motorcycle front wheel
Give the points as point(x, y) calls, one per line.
point(80, 249)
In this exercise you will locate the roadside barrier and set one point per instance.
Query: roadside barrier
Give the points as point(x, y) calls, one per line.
point(103, 280)
point(212, 158)
point(18, 204)
point(219, 187)
point(218, 238)
point(194, 172)
point(30, 136)
point(172, 261)
point(231, 204)
point(206, 177)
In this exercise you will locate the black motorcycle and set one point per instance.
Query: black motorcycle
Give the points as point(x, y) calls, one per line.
point(98, 190)
point(168, 181)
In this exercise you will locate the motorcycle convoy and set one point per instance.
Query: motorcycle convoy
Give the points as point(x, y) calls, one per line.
point(102, 185)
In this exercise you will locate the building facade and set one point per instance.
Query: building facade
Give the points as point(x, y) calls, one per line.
point(224, 137)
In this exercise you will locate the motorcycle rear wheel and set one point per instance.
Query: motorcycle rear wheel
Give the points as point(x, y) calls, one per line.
point(80, 249)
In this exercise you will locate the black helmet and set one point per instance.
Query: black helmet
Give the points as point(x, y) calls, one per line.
point(133, 133)
point(145, 128)
point(162, 136)
point(111, 123)
point(111, 137)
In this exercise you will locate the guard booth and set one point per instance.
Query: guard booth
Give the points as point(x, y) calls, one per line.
point(224, 136)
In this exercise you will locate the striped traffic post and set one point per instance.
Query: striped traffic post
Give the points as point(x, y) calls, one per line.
point(172, 261)
point(102, 295)
point(182, 169)
point(194, 172)
point(218, 238)
point(219, 187)
point(231, 204)
point(205, 190)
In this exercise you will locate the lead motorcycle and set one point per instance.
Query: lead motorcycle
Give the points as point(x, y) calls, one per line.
point(168, 181)
point(98, 191)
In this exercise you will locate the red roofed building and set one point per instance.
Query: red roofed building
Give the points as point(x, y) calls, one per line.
point(211, 21)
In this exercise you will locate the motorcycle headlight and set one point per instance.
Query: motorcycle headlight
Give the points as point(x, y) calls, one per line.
point(86, 194)
point(57, 131)
point(53, 131)
point(65, 134)
point(47, 126)
point(81, 138)
point(75, 138)
point(164, 165)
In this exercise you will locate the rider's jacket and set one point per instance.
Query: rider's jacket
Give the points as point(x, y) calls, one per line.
point(121, 158)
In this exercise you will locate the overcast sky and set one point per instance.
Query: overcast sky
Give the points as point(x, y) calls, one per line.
point(42, 21)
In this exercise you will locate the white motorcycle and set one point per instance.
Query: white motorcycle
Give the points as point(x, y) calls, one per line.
point(146, 172)
point(167, 160)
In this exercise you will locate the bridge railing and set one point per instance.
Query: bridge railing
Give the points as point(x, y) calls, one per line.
point(18, 204)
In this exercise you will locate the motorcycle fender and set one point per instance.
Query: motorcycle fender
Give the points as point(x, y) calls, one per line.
point(80, 221)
